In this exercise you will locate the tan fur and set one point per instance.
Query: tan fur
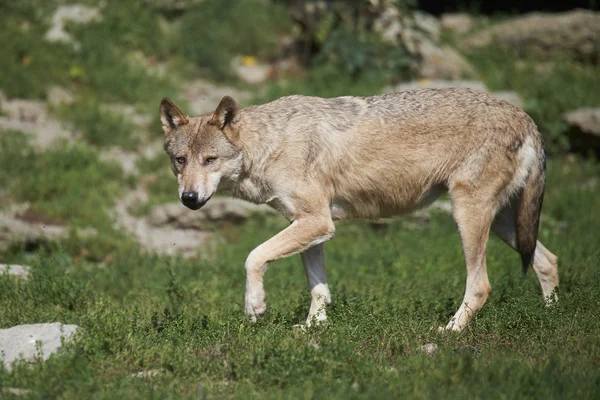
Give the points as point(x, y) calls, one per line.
point(317, 160)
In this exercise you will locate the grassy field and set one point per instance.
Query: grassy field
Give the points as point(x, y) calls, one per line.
point(392, 284)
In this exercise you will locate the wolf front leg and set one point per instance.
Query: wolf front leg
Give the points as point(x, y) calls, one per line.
point(304, 233)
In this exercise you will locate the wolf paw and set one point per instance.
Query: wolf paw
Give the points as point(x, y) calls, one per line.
point(255, 309)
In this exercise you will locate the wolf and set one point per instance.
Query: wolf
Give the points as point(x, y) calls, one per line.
point(318, 160)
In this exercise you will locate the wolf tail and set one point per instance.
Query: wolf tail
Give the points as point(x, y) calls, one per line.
point(530, 207)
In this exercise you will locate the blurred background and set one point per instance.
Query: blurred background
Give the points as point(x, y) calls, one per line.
point(81, 81)
point(88, 204)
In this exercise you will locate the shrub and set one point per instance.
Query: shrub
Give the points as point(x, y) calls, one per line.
point(214, 31)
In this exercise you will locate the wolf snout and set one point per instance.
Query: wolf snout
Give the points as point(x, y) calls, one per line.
point(192, 200)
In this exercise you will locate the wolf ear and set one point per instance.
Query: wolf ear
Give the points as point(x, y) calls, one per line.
point(226, 113)
point(170, 116)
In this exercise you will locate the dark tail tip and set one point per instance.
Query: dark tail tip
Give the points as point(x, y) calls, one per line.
point(527, 260)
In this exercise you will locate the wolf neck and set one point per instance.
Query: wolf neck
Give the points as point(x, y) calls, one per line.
point(260, 142)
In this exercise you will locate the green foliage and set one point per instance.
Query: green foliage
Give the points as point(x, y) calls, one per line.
point(549, 89)
point(321, 81)
point(68, 182)
point(96, 63)
point(99, 127)
point(390, 285)
point(215, 31)
point(28, 64)
point(360, 53)
point(51, 292)
point(184, 318)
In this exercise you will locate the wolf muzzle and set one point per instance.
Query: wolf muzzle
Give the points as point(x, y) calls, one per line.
point(191, 200)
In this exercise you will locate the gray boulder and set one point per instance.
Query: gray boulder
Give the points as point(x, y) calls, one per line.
point(217, 210)
point(442, 62)
point(31, 116)
point(33, 234)
point(544, 36)
point(456, 22)
point(584, 129)
point(21, 341)
point(419, 33)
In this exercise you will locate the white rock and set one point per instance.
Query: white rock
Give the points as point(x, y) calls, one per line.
point(456, 22)
point(255, 73)
point(544, 36)
point(76, 13)
point(17, 391)
point(31, 116)
point(158, 239)
point(587, 120)
point(584, 129)
point(20, 271)
point(58, 96)
point(21, 341)
point(430, 349)
point(147, 374)
point(442, 62)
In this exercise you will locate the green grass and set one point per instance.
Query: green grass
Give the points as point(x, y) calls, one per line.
point(98, 70)
point(389, 287)
point(214, 32)
point(67, 184)
point(97, 64)
point(99, 127)
point(390, 284)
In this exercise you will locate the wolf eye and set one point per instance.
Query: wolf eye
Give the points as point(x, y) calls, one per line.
point(210, 160)
point(180, 160)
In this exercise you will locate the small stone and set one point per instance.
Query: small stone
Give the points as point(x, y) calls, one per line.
point(21, 341)
point(430, 349)
point(147, 374)
point(251, 72)
point(58, 96)
point(77, 13)
point(17, 391)
point(19, 271)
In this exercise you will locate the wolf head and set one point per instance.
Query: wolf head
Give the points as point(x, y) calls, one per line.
point(203, 150)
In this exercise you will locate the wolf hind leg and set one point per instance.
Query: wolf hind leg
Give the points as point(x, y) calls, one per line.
point(473, 218)
point(314, 266)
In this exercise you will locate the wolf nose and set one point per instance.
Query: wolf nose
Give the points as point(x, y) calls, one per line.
point(189, 197)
